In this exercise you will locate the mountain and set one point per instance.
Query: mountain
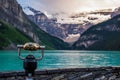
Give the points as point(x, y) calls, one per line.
point(49, 25)
point(12, 15)
point(68, 29)
point(103, 36)
point(115, 12)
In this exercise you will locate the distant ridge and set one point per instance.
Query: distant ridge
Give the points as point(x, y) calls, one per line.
point(103, 36)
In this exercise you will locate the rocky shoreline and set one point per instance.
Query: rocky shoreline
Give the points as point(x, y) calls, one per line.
point(100, 73)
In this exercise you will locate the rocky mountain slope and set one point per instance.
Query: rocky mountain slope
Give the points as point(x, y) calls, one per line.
point(12, 14)
point(103, 36)
point(49, 25)
point(115, 12)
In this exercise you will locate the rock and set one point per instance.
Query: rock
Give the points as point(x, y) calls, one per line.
point(100, 73)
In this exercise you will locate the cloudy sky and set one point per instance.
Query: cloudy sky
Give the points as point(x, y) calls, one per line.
point(68, 6)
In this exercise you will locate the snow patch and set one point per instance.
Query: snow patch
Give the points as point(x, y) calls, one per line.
point(72, 38)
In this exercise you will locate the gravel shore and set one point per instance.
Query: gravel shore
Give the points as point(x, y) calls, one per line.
point(100, 73)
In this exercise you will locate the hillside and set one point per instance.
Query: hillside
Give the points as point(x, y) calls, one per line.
point(51, 42)
point(12, 14)
point(103, 36)
point(9, 36)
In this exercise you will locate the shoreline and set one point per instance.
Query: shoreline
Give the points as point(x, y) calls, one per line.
point(97, 73)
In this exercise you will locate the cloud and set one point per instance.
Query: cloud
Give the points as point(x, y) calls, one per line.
point(69, 6)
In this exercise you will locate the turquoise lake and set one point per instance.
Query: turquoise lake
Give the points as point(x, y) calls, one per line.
point(9, 60)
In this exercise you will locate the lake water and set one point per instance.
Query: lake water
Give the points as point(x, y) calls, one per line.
point(9, 60)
